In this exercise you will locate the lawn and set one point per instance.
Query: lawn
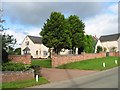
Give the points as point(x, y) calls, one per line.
point(92, 64)
point(23, 84)
point(42, 63)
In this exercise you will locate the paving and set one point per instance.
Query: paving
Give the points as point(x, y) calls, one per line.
point(55, 75)
point(103, 80)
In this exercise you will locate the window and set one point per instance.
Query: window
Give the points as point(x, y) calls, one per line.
point(37, 52)
point(27, 43)
point(45, 53)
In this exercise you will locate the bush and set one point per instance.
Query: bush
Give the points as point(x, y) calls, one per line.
point(9, 66)
point(4, 56)
point(99, 49)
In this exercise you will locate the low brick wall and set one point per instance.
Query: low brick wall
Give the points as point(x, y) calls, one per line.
point(60, 60)
point(9, 76)
point(25, 59)
point(114, 54)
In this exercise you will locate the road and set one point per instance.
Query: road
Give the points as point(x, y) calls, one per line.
point(103, 79)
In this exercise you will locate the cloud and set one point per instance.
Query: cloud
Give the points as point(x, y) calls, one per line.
point(33, 32)
point(36, 13)
point(19, 36)
point(102, 24)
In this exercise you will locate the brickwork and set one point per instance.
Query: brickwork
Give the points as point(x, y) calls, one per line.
point(60, 60)
point(9, 76)
point(25, 59)
point(114, 54)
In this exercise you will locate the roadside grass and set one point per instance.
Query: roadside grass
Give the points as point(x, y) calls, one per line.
point(92, 64)
point(42, 63)
point(22, 84)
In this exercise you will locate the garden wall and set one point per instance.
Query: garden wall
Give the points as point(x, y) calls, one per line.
point(9, 76)
point(25, 59)
point(114, 54)
point(59, 59)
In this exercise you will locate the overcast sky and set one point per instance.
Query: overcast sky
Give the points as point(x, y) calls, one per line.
point(27, 18)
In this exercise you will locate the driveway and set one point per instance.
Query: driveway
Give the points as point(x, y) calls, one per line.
point(105, 80)
point(55, 75)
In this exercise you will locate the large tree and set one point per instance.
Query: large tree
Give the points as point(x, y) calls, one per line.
point(76, 27)
point(55, 33)
point(89, 45)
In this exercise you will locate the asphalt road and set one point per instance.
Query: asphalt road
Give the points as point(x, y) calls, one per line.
point(103, 79)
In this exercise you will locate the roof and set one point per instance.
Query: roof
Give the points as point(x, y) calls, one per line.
point(35, 39)
point(26, 49)
point(113, 37)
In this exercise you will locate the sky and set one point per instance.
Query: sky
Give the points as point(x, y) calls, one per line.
point(27, 18)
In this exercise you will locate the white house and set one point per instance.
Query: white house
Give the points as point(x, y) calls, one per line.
point(109, 43)
point(34, 46)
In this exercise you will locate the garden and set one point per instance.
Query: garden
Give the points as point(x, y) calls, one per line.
point(16, 67)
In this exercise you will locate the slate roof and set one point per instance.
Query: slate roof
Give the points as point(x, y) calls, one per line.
point(113, 37)
point(26, 49)
point(35, 39)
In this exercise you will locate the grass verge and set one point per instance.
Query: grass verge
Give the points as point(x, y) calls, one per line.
point(92, 64)
point(23, 84)
point(42, 63)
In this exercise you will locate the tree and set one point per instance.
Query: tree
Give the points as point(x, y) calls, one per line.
point(2, 21)
point(55, 33)
point(76, 27)
point(8, 42)
point(17, 51)
point(89, 44)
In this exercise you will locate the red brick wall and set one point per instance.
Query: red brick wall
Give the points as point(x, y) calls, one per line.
point(114, 54)
point(25, 59)
point(59, 60)
point(9, 76)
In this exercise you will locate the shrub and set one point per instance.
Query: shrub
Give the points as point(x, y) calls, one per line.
point(99, 49)
point(9, 66)
point(4, 56)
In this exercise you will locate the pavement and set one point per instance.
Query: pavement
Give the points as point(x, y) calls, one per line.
point(56, 75)
point(102, 79)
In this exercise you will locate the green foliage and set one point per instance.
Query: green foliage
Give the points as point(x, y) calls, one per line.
point(4, 56)
point(55, 33)
point(76, 27)
point(9, 66)
point(17, 51)
point(92, 64)
point(89, 44)
point(105, 49)
point(8, 42)
point(99, 49)
point(60, 32)
point(24, 83)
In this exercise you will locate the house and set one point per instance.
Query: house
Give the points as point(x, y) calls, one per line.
point(33, 45)
point(109, 43)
